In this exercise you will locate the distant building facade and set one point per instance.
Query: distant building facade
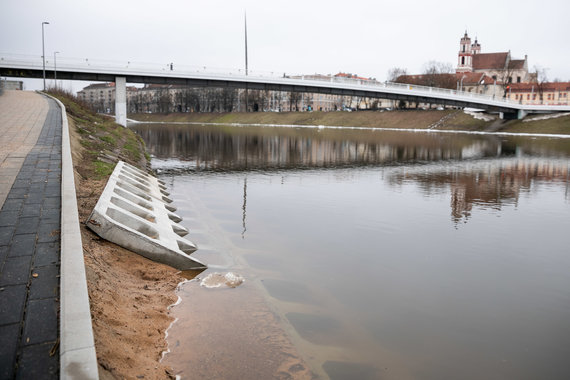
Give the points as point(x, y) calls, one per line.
point(158, 98)
point(101, 96)
point(552, 93)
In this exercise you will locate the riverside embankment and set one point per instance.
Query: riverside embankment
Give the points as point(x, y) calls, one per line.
point(401, 119)
point(128, 294)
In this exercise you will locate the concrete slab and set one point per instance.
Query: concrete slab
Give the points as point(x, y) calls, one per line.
point(135, 212)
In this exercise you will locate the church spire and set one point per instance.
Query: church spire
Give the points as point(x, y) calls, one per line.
point(465, 56)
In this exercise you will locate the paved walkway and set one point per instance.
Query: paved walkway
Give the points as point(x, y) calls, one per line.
point(22, 115)
point(30, 200)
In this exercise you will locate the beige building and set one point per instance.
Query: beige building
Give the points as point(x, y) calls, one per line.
point(328, 102)
point(555, 93)
point(101, 96)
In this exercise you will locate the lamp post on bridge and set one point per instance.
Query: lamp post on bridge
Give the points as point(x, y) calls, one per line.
point(461, 85)
point(246, 68)
point(44, 53)
point(55, 68)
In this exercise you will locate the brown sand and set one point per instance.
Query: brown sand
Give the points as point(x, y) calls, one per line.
point(129, 295)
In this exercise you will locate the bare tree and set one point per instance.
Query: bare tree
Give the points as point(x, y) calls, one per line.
point(163, 100)
point(294, 98)
point(438, 74)
point(395, 72)
point(506, 77)
point(540, 79)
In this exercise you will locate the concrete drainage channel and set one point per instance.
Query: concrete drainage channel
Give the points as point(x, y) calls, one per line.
point(134, 211)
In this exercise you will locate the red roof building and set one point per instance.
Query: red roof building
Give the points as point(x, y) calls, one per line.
point(499, 66)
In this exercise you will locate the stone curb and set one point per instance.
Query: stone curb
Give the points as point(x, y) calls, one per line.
point(78, 359)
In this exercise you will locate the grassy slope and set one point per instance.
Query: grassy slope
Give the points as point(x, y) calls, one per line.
point(560, 125)
point(103, 140)
point(393, 119)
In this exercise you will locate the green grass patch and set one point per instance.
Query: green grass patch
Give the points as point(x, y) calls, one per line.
point(109, 139)
point(98, 134)
point(559, 125)
point(103, 169)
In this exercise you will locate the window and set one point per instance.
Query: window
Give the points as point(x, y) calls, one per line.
point(510, 79)
point(518, 79)
point(527, 96)
point(463, 59)
point(548, 97)
point(464, 48)
point(494, 77)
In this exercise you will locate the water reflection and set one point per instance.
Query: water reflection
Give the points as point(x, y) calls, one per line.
point(244, 148)
point(478, 181)
point(485, 183)
point(359, 260)
point(244, 207)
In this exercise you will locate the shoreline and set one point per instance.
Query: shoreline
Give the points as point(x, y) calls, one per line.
point(455, 121)
point(416, 130)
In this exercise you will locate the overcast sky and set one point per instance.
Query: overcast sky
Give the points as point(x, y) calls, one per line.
point(363, 37)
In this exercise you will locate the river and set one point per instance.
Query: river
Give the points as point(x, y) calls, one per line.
point(370, 254)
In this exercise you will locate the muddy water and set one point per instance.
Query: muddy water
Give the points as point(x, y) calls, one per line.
point(370, 255)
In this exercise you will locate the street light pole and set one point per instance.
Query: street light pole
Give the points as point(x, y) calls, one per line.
point(44, 53)
point(55, 68)
point(246, 68)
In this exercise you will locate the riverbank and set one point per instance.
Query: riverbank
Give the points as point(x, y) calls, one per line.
point(128, 294)
point(417, 119)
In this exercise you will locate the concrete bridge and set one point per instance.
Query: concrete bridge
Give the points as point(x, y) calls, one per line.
point(121, 73)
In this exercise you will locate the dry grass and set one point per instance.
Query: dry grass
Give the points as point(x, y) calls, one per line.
point(449, 119)
point(375, 119)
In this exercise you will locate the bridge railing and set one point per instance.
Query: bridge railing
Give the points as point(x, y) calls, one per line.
point(174, 69)
point(374, 84)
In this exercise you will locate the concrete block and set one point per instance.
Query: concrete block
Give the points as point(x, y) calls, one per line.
point(134, 212)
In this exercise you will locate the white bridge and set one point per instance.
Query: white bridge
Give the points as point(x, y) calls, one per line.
point(22, 66)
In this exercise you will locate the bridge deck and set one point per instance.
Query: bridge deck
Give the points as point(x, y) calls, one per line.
point(108, 72)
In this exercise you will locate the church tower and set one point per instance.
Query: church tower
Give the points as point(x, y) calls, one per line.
point(476, 47)
point(465, 58)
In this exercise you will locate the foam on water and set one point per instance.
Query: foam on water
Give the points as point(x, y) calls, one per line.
point(217, 280)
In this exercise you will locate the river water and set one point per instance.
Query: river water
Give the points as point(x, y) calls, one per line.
point(370, 254)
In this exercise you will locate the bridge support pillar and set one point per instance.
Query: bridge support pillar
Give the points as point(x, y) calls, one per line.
point(521, 114)
point(121, 100)
point(510, 115)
